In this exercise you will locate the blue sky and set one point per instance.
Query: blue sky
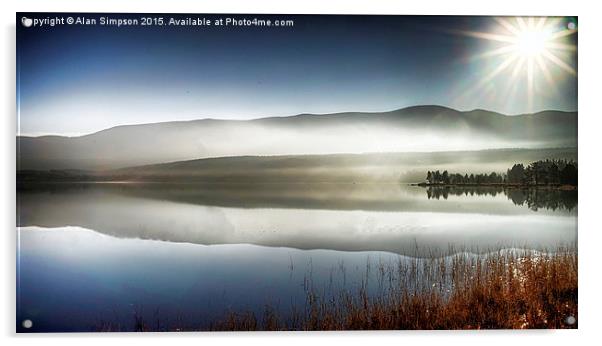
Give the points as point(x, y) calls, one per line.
point(77, 79)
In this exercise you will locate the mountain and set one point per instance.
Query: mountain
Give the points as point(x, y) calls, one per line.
point(420, 128)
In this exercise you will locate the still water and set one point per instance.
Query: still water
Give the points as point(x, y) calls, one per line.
point(185, 255)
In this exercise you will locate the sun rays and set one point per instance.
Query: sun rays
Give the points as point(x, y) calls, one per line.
point(525, 50)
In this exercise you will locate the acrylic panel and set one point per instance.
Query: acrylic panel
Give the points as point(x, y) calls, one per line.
point(234, 172)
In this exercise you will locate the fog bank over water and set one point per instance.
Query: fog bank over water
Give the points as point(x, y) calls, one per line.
point(414, 129)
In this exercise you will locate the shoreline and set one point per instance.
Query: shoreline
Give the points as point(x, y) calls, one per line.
point(502, 185)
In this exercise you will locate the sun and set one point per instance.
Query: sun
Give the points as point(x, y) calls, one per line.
point(532, 42)
point(528, 47)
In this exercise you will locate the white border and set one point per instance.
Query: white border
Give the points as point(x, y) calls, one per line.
point(590, 111)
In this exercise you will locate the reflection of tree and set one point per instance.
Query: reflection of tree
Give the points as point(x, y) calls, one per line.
point(533, 198)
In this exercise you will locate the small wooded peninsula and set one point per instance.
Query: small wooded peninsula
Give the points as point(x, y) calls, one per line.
point(542, 173)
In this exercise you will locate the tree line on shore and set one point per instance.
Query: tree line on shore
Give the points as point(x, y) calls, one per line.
point(542, 172)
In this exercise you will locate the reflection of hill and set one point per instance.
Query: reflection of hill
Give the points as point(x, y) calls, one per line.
point(324, 196)
point(534, 198)
point(321, 196)
point(346, 217)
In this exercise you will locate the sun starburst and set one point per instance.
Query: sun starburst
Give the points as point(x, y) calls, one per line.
point(528, 47)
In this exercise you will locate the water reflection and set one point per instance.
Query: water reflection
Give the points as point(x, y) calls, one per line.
point(237, 247)
point(73, 279)
point(534, 198)
point(345, 217)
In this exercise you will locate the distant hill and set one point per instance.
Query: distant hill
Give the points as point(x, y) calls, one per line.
point(334, 168)
point(421, 128)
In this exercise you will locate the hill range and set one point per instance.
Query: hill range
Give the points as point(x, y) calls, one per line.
point(413, 129)
point(330, 168)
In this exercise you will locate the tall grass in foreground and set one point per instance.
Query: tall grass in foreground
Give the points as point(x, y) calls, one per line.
point(509, 289)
